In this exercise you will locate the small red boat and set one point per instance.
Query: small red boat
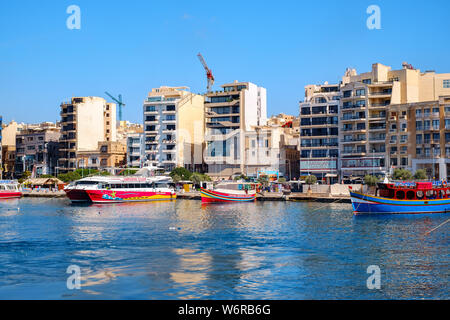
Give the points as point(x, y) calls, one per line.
point(9, 189)
point(230, 192)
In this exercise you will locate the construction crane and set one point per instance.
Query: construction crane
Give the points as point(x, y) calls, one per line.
point(209, 74)
point(119, 103)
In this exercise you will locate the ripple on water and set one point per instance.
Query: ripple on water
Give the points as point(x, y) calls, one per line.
point(186, 250)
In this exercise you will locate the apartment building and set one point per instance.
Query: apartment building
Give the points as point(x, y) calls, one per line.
point(366, 102)
point(229, 115)
point(37, 149)
point(319, 131)
point(135, 150)
point(272, 148)
point(419, 137)
point(85, 121)
point(174, 128)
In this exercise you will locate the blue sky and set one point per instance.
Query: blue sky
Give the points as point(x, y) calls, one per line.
point(129, 47)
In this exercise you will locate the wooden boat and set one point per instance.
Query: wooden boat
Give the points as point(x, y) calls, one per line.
point(9, 189)
point(403, 198)
point(229, 192)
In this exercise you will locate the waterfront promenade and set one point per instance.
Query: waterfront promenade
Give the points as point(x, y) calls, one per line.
point(265, 196)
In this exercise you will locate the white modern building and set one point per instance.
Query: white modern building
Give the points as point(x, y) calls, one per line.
point(229, 114)
point(174, 128)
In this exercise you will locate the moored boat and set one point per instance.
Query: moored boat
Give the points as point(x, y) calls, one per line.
point(229, 192)
point(403, 198)
point(9, 189)
point(132, 189)
point(146, 185)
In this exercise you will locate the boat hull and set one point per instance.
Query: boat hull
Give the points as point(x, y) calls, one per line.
point(366, 204)
point(210, 196)
point(10, 195)
point(108, 196)
point(77, 195)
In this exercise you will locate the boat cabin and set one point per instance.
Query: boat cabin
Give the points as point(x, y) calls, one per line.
point(413, 190)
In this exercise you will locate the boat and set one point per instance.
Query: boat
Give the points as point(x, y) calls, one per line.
point(403, 198)
point(9, 189)
point(229, 192)
point(76, 191)
point(143, 186)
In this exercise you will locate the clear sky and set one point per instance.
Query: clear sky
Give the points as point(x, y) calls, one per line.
point(129, 47)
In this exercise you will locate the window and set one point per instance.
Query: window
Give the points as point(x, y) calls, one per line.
point(360, 92)
point(436, 124)
point(418, 112)
point(419, 139)
point(367, 81)
point(446, 83)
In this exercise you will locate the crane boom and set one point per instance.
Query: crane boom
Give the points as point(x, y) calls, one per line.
point(119, 103)
point(209, 75)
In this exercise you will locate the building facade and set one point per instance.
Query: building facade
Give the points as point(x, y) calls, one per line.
point(319, 131)
point(174, 128)
point(273, 149)
point(135, 150)
point(419, 137)
point(229, 114)
point(365, 115)
point(108, 156)
point(37, 150)
point(85, 121)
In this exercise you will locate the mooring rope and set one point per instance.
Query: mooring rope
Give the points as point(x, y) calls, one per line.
point(428, 232)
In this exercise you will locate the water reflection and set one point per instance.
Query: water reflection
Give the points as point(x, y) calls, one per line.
point(262, 250)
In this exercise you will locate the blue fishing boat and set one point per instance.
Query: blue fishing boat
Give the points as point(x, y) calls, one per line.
point(403, 198)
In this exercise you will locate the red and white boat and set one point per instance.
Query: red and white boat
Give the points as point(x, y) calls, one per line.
point(9, 189)
point(121, 189)
point(230, 192)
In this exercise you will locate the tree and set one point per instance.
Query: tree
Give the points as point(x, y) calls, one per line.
point(421, 174)
point(263, 180)
point(206, 177)
point(196, 178)
point(402, 174)
point(241, 177)
point(25, 176)
point(311, 179)
point(370, 180)
point(183, 173)
point(176, 178)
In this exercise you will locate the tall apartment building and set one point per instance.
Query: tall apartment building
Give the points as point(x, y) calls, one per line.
point(85, 121)
point(419, 137)
point(319, 131)
point(366, 102)
point(37, 148)
point(229, 115)
point(174, 128)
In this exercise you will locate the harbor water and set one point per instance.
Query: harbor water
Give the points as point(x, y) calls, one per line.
point(186, 250)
